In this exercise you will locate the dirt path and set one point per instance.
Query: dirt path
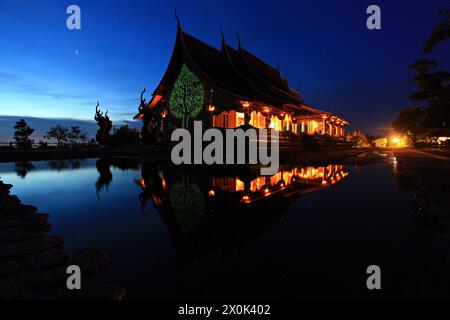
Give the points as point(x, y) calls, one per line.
point(425, 153)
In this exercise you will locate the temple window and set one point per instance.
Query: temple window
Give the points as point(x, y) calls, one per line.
point(240, 119)
point(257, 120)
point(275, 123)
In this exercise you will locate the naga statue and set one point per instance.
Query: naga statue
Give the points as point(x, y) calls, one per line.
point(105, 126)
point(151, 121)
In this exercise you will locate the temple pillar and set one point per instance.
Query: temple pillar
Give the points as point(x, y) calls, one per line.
point(267, 118)
point(247, 116)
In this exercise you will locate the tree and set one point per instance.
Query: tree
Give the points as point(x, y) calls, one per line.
point(74, 135)
point(58, 132)
point(77, 136)
point(187, 96)
point(411, 122)
point(124, 135)
point(434, 84)
point(440, 32)
point(22, 134)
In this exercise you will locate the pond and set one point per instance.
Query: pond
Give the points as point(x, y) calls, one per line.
point(171, 232)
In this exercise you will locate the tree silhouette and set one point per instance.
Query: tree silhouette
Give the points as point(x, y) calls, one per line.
point(411, 122)
point(440, 32)
point(77, 136)
point(58, 132)
point(433, 87)
point(22, 134)
point(22, 168)
point(187, 97)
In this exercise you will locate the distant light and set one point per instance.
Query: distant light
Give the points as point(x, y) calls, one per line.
point(211, 193)
point(245, 199)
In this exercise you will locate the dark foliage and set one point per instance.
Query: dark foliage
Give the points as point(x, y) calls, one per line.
point(22, 134)
point(124, 135)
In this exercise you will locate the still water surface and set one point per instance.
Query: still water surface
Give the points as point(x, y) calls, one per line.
point(307, 232)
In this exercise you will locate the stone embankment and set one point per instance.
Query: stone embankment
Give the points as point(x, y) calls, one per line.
point(33, 264)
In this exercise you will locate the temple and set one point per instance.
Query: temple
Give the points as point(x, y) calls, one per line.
point(240, 89)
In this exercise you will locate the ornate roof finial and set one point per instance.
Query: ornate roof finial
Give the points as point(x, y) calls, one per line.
point(239, 41)
point(178, 19)
point(221, 32)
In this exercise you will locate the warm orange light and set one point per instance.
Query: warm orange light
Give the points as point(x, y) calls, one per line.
point(142, 183)
point(266, 191)
point(395, 140)
point(245, 199)
point(211, 108)
point(211, 193)
point(245, 104)
point(164, 113)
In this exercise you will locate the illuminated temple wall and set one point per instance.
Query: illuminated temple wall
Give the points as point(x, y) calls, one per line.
point(233, 119)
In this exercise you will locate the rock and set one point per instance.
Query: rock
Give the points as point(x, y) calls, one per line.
point(19, 234)
point(13, 223)
point(96, 291)
point(4, 186)
point(21, 209)
point(10, 288)
point(34, 224)
point(29, 247)
point(35, 217)
point(8, 268)
point(47, 278)
point(44, 260)
point(11, 202)
point(90, 260)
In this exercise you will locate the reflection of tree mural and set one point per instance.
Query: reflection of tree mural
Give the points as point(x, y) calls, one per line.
point(187, 203)
point(22, 168)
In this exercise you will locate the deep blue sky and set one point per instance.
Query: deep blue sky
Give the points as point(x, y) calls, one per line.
point(328, 53)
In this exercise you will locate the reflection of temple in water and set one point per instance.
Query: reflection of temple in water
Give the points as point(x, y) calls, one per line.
point(264, 186)
point(206, 209)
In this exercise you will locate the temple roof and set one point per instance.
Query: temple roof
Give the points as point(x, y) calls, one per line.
point(234, 71)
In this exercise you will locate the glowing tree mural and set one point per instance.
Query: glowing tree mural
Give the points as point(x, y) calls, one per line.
point(187, 96)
